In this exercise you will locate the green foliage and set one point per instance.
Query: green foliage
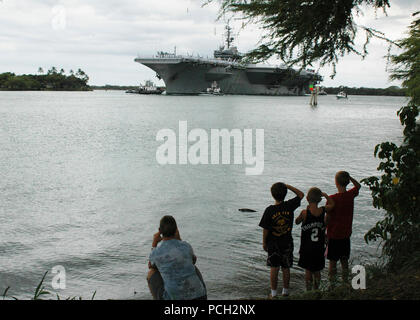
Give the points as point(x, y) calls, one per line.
point(52, 80)
point(303, 32)
point(41, 293)
point(5, 293)
point(397, 190)
point(408, 62)
point(40, 289)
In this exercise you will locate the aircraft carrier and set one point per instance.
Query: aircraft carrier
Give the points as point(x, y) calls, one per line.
point(194, 74)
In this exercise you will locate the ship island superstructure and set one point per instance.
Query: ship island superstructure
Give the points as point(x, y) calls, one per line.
point(194, 74)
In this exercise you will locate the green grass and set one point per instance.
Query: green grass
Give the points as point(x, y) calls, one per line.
point(41, 293)
point(380, 285)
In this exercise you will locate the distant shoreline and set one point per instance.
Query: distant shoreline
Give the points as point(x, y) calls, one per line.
point(390, 91)
point(378, 93)
point(37, 90)
point(52, 80)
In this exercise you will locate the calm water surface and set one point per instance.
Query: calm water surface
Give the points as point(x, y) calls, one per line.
point(80, 185)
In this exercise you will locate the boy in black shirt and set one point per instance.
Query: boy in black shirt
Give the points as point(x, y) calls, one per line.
point(277, 223)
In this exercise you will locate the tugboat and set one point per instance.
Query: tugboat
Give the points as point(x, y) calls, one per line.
point(213, 90)
point(148, 88)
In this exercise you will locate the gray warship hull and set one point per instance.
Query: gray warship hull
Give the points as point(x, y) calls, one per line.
point(193, 75)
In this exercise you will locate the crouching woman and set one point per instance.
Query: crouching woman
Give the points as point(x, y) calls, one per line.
point(172, 271)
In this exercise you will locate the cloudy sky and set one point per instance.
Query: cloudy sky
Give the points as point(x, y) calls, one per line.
point(103, 37)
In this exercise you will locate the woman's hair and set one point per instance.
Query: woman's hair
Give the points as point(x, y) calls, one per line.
point(314, 195)
point(167, 226)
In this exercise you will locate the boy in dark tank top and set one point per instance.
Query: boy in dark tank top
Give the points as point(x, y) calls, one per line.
point(312, 241)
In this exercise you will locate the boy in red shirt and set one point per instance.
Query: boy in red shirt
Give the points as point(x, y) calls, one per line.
point(340, 225)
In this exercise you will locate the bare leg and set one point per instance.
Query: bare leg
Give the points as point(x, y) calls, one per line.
point(286, 277)
point(317, 279)
point(308, 280)
point(149, 276)
point(151, 273)
point(274, 273)
point(345, 269)
point(332, 271)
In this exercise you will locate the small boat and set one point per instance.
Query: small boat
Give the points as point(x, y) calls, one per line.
point(341, 95)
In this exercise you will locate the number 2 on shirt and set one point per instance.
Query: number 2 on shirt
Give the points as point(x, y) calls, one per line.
point(314, 235)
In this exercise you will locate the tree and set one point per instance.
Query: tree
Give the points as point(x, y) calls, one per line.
point(53, 70)
point(397, 190)
point(40, 70)
point(303, 32)
point(82, 75)
point(408, 63)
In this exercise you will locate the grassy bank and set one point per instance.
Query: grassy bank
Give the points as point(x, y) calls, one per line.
point(380, 285)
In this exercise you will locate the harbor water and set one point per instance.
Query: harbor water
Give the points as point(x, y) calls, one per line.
point(80, 185)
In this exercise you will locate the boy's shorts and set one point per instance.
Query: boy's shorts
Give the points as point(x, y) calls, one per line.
point(280, 254)
point(338, 249)
point(312, 261)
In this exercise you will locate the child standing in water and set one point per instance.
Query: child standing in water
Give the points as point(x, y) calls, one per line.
point(312, 241)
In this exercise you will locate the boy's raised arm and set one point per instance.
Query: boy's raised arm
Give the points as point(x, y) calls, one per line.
point(301, 217)
point(355, 182)
point(330, 202)
point(327, 218)
point(299, 193)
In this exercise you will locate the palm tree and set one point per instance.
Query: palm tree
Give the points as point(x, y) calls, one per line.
point(80, 73)
point(53, 70)
point(40, 70)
